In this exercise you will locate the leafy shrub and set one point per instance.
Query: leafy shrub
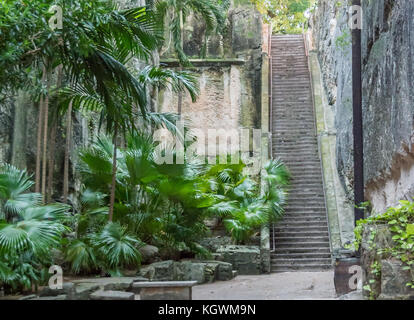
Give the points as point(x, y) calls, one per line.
point(28, 230)
point(241, 204)
point(400, 220)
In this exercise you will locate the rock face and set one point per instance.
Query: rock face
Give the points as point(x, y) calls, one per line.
point(245, 259)
point(393, 281)
point(388, 103)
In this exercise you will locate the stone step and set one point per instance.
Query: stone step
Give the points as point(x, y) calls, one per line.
point(300, 250)
point(299, 239)
point(304, 255)
point(321, 215)
point(302, 235)
point(294, 234)
point(303, 228)
point(301, 261)
point(299, 224)
point(303, 244)
point(299, 267)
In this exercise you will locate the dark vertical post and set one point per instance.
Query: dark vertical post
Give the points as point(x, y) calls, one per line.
point(357, 112)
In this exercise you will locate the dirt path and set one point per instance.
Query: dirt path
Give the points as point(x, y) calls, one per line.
point(278, 286)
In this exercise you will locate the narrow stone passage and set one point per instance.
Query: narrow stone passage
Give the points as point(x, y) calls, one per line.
point(301, 240)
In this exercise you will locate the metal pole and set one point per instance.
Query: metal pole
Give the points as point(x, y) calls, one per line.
point(357, 118)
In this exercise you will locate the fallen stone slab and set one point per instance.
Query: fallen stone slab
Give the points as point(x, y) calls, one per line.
point(112, 295)
point(29, 297)
point(166, 290)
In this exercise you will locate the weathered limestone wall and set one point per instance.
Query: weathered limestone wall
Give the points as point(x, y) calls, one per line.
point(229, 75)
point(388, 104)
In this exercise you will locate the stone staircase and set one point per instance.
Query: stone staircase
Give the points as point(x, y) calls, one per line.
point(300, 242)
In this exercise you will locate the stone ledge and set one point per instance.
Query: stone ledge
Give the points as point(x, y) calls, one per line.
point(164, 284)
point(204, 62)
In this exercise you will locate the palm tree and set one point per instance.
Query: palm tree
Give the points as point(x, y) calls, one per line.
point(116, 37)
point(119, 115)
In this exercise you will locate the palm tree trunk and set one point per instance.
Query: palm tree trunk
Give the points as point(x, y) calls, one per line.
point(49, 190)
point(113, 184)
point(45, 135)
point(180, 93)
point(51, 164)
point(67, 150)
point(39, 138)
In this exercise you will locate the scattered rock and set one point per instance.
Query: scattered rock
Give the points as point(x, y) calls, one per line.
point(149, 254)
point(213, 244)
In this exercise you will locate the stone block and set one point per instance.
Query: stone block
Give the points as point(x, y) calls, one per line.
point(160, 271)
point(245, 259)
point(190, 271)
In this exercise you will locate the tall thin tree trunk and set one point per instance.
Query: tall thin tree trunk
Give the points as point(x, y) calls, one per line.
point(180, 93)
point(39, 137)
point(45, 135)
point(49, 190)
point(51, 164)
point(67, 151)
point(21, 107)
point(113, 184)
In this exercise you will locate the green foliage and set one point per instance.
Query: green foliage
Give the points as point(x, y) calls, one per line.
point(400, 221)
point(212, 12)
point(157, 203)
point(28, 230)
point(108, 247)
point(286, 16)
point(344, 41)
point(239, 199)
point(166, 204)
